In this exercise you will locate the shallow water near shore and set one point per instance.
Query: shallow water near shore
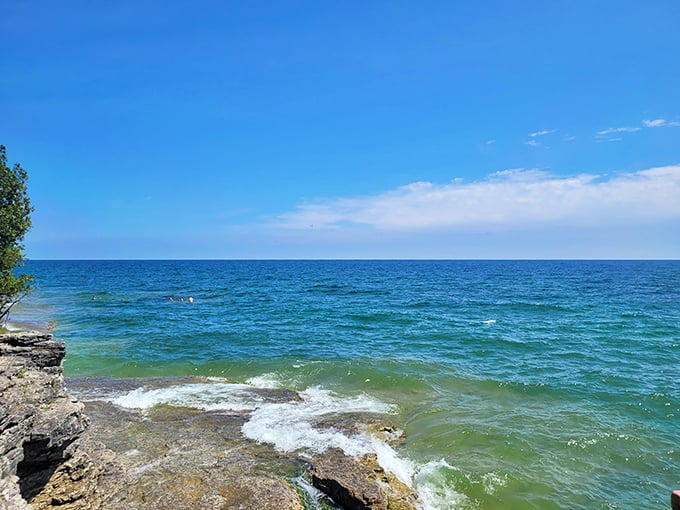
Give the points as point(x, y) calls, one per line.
point(542, 384)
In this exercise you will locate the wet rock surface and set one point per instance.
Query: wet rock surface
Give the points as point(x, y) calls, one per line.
point(200, 459)
point(173, 457)
point(164, 457)
point(360, 484)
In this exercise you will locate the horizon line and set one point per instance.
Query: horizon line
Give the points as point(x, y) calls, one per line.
point(357, 259)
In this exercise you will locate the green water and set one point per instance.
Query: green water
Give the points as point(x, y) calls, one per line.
point(520, 384)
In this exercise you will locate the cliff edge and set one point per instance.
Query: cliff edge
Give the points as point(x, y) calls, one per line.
point(43, 460)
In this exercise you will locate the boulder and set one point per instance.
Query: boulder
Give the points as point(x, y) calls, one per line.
point(360, 484)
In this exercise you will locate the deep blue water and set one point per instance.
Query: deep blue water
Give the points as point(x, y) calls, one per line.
point(521, 384)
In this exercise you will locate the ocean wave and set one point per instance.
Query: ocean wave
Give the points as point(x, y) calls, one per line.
point(434, 487)
point(268, 381)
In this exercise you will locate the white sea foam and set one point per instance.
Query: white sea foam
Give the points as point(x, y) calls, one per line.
point(208, 396)
point(434, 489)
point(490, 321)
point(269, 381)
point(388, 458)
point(289, 425)
point(292, 426)
point(493, 481)
point(582, 442)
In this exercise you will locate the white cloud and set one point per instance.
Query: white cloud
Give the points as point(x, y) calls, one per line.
point(625, 129)
point(533, 143)
point(654, 123)
point(543, 132)
point(660, 123)
point(490, 142)
point(515, 198)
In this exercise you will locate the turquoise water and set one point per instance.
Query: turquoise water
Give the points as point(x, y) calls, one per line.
point(520, 384)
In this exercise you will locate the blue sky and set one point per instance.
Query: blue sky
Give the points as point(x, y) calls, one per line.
point(345, 129)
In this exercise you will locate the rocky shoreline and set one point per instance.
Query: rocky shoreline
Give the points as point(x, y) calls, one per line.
point(57, 451)
point(45, 456)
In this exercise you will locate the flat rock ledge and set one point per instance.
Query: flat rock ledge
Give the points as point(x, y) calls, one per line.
point(53, 456)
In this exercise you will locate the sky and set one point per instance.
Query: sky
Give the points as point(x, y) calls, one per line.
point(379, 129)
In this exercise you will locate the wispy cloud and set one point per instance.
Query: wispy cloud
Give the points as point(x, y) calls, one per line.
point(614, 130)
point(542, 132)
point(516, 198)
point(533, 142)
point(490, 142)
point(653, 123)
point(660, 123)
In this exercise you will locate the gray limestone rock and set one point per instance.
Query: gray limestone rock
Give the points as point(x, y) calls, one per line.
point(360, 483)
point(40, 426)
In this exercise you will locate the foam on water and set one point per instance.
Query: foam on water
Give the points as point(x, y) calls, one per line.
point(269, 381)
point(434, 489)
point(289, 425)
point(493, 481)
point(292, 426)
point(207, 396)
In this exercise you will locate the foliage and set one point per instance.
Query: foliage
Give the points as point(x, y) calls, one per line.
point(15, 221)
